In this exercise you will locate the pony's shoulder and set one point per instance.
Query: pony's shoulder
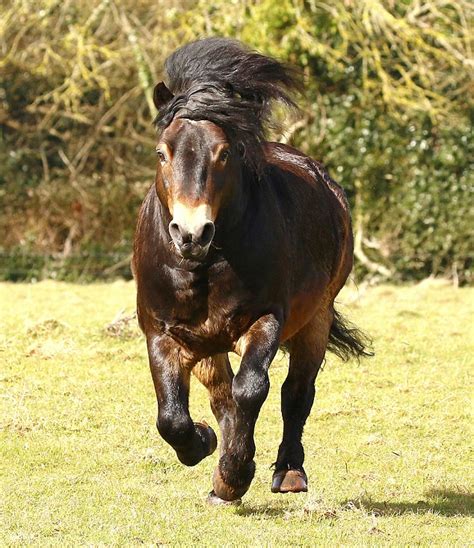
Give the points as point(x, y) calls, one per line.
point(287, 158)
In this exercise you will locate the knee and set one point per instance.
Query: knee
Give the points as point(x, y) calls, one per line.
point(250, 389)
point(175, 430)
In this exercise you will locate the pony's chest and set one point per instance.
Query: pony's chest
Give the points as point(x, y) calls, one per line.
point(208, 313)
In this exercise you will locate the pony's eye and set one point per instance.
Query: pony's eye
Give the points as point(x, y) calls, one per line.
point(161, 156)
point(224, 155)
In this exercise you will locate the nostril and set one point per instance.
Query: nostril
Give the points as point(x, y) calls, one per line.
point(174, 231)
point(207, 233)
point(182, 237)
point(179, 235)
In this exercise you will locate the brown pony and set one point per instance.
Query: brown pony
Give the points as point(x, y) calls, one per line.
point(241, 246)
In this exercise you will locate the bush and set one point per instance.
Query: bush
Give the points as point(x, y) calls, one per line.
point(387, 108)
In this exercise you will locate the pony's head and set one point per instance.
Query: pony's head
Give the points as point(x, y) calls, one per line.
point(197, 172)
point(211, 124)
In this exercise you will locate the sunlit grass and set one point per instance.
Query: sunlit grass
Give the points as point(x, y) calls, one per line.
point(387, 444)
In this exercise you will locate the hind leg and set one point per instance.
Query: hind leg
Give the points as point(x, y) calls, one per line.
point(216, 375)
point(307, 349)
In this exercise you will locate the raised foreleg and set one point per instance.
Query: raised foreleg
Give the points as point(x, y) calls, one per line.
point(171, 374)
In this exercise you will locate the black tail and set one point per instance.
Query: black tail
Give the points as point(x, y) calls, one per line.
point(346, 341)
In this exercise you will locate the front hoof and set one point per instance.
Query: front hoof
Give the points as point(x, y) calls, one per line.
point(225, 491)
point(205, 444)
point(209, 435)
point(214, 500)
point(290, 481)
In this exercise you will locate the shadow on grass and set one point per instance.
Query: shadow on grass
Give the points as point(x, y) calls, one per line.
point(446, 502)
point(260, 510)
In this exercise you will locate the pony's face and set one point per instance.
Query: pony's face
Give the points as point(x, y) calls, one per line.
point(195, 175)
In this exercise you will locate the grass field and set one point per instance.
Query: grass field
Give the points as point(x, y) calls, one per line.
point(387, 445)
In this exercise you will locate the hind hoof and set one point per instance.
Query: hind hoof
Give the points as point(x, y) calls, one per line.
point(289, 481)
point(214, 500)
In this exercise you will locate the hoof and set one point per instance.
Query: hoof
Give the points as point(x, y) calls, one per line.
point(224, 491)
point(289, 481)
point(209, 435)
point(214, 500)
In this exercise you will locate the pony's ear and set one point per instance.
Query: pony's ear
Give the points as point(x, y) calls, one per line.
point(161, 95)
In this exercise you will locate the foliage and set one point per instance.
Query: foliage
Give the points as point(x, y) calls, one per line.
point(76, 120)
point(387, 107)
point(387, 450)
point(389, 100)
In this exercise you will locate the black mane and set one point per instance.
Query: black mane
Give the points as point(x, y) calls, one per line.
point(223, 81)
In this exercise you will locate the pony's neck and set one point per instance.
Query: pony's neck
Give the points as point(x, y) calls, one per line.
point(234, 217)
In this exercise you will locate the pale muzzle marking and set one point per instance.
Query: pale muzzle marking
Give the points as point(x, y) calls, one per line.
point(191, 218)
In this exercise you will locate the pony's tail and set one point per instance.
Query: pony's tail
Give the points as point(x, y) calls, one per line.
point(347, 341)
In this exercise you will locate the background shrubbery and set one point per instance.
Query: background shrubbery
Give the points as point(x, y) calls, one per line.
point(387, 109)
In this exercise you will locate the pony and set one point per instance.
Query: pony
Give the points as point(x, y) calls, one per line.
point(241, 246)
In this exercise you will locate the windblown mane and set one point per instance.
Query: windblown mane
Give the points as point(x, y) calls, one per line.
point(221, 80)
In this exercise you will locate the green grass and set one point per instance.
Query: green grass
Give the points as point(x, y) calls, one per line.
point(387, 444)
